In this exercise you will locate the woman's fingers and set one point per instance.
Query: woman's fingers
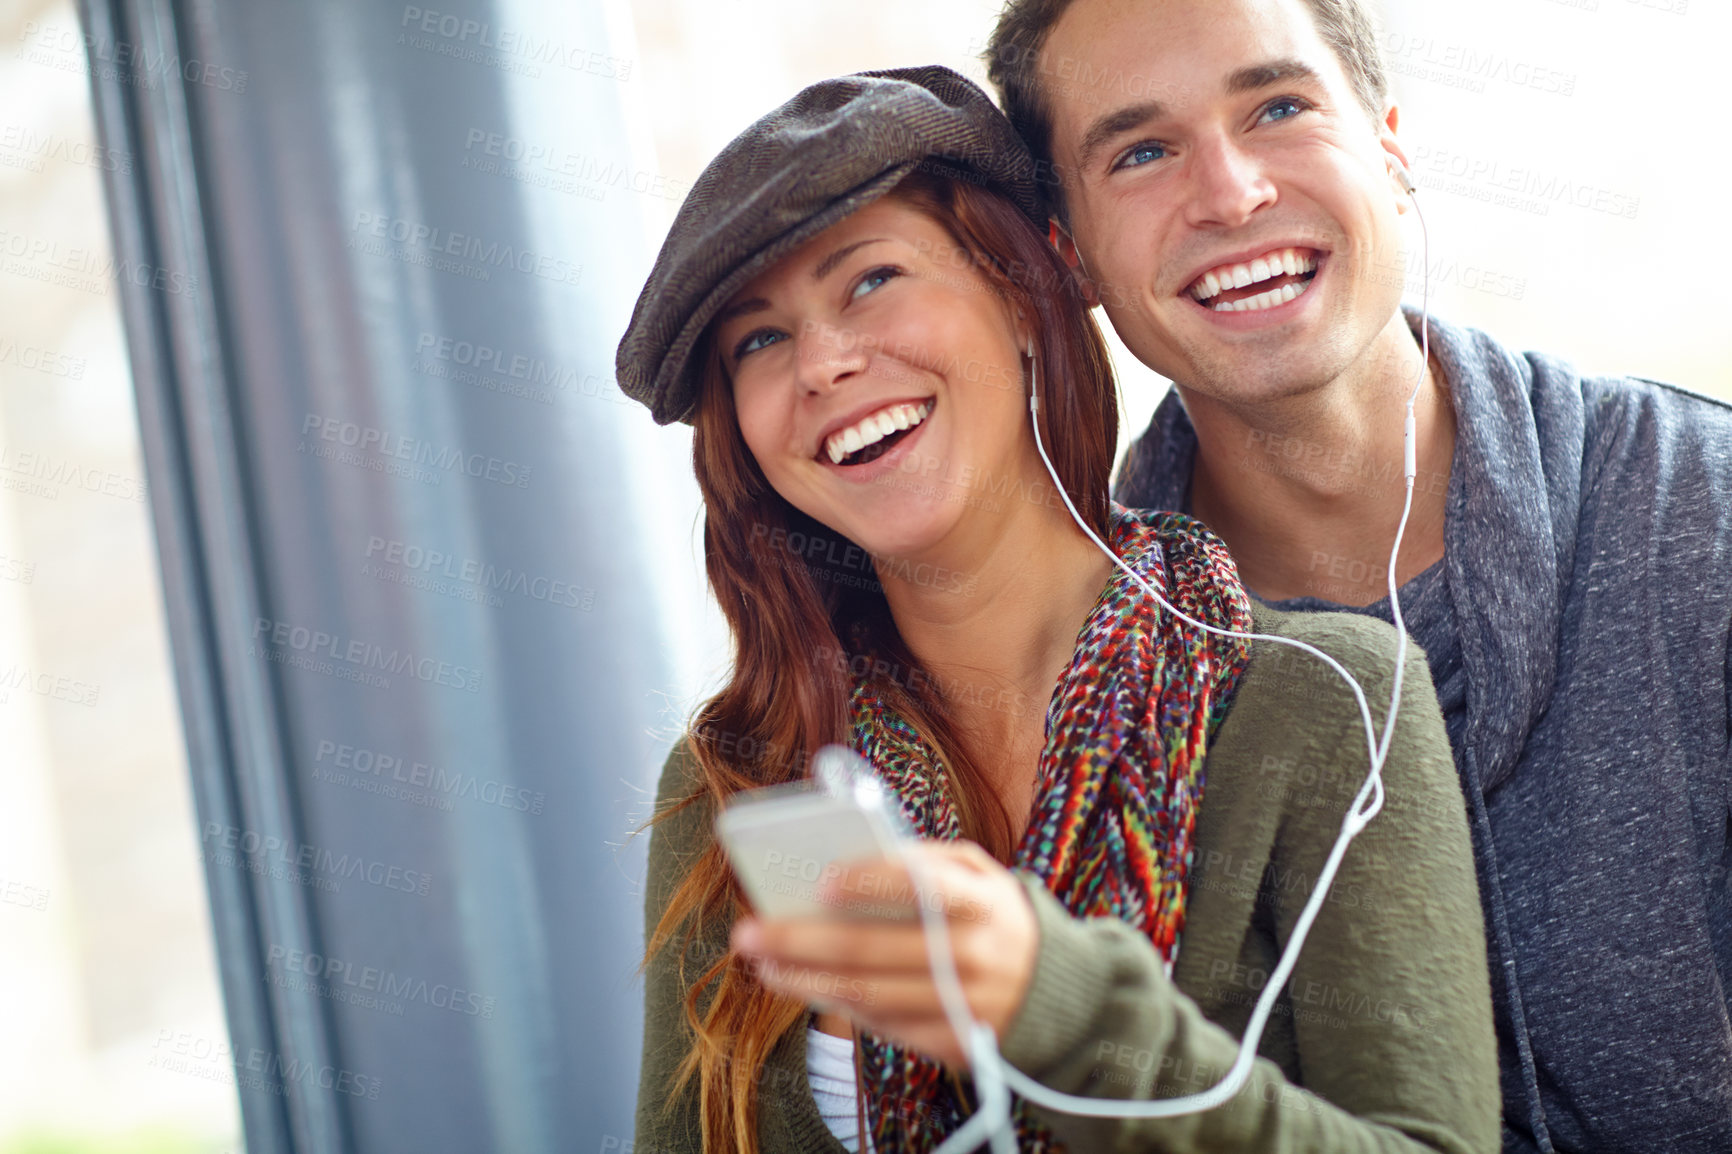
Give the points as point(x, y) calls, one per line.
point(904, 1010)
point(954, 878)
point(965, 897)
point(888, 1004)
point(878, 972)
point(859, 945)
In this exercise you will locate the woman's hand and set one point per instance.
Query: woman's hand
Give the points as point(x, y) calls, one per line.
point(876, 971)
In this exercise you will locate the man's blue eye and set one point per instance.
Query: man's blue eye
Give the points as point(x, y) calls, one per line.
point(1285, 102)
point(752, 342)
point(1140, 155)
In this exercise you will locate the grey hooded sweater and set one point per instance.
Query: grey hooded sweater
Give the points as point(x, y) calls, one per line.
point(1579, 633)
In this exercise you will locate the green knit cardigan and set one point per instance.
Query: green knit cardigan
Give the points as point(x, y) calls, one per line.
point(1382, 1039)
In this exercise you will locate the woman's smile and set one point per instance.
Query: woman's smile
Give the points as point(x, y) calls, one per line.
point(871, 355)
point(864, 440)
point(871, 460)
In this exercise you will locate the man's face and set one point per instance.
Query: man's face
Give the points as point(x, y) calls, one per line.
point(1206, 142)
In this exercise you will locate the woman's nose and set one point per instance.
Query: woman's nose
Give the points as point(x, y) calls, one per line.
point(825, 354)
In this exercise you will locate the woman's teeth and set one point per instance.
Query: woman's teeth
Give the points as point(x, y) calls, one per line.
point(874, 427)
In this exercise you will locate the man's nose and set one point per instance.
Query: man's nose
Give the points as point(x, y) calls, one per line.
point(1227, 185)
point(826, 354)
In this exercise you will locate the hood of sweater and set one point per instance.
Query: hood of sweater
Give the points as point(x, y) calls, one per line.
point(1586, 519)
point(1514, 503)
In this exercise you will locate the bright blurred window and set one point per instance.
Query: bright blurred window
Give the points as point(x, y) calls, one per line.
point(112, 1035)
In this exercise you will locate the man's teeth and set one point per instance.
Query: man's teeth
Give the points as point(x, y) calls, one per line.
point(1286, 262)
point(871, 429)
point(1266, 300)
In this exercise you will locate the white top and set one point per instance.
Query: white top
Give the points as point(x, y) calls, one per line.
point(830, 1070)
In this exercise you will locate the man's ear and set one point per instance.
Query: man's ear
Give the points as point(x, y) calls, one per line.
point(1391, 144)
point(1067, 251)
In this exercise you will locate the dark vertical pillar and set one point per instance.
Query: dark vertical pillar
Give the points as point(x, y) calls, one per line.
point(375, 258)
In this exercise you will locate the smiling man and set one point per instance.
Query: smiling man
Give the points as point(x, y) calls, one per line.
point(1229, 185)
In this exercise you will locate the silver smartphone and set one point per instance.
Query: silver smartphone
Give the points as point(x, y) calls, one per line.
point(785, 841)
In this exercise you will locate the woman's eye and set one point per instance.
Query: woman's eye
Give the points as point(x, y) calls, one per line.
point(872, 280)
point(1274, 110)
point(1139, 155)
point(752, 342)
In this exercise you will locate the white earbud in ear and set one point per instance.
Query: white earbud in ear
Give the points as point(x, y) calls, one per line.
point(1400, 171)
point(1034, 389)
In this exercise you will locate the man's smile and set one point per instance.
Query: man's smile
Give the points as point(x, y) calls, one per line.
point(1265, 281)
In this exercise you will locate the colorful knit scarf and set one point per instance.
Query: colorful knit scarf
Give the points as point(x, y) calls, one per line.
point(1121, 777)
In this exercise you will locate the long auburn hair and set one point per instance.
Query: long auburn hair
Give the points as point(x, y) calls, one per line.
point(792, 612)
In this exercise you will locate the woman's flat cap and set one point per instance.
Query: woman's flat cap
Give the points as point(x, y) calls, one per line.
point(828, 152)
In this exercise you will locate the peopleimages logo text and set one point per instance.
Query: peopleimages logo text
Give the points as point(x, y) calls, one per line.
point(371, 979)
point(421, 775)
point(365, 654)
point(479, 573)
point(314, 859)
point(384, 442)
point(466, 246)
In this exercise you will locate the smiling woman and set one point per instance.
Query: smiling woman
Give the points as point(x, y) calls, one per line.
point(852, 309)
point(871, 322)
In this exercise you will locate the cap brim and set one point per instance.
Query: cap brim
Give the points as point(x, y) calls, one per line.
point(675, 387)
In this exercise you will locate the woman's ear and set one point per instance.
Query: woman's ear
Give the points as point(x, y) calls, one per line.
point(1024, 332)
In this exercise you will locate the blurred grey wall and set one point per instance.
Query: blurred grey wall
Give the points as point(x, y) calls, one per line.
point(375, 258)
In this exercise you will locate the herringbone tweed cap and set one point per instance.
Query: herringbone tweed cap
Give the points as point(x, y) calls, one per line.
point(828, 152)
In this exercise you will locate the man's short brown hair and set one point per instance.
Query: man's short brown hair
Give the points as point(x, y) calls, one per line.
point(1012, 59)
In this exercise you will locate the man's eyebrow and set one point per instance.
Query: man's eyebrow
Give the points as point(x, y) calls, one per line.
point(1270, 73)
point(1112, 124)
point(1250, 79)
point(829, 263)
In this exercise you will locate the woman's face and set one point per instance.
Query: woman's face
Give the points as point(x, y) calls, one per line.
point(878, 381)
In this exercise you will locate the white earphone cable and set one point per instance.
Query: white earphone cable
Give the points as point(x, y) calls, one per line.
point(994, 1077)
